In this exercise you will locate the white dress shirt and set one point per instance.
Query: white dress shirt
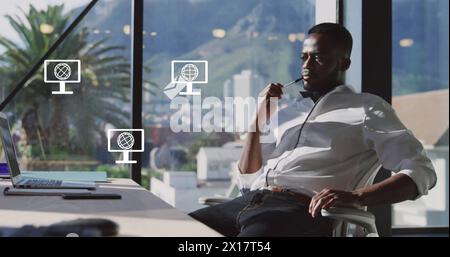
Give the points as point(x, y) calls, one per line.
point(344, 137)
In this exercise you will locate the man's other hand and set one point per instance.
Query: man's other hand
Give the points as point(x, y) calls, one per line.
point(333, 198)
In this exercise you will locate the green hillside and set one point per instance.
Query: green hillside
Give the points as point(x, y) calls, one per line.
point(226, 57)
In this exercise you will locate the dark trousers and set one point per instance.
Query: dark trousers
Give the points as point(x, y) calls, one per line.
point(263, 214)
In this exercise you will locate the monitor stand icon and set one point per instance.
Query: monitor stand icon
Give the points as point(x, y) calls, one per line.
point(62, 90)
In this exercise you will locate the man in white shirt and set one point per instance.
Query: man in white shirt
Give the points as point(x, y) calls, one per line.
point(326, 143)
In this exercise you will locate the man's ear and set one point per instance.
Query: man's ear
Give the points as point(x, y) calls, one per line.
point(345, 64)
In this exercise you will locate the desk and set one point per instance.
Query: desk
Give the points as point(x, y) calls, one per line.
point(138, 213)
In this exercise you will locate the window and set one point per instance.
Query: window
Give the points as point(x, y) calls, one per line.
point(247, 44)
point(420, 98)
point(67, 132)
point(353, 22)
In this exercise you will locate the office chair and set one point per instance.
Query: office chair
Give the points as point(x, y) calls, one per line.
point(346, 221)
point(352, 221)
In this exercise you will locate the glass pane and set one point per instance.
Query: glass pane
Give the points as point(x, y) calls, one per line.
point(420, 98)
point(67, 131)
point(353, 22)
point(247, 44)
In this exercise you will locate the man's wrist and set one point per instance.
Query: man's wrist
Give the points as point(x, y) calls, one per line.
point(361, 198)
point(247, 170)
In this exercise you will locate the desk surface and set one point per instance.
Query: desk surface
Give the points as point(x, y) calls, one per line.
point(138, 213)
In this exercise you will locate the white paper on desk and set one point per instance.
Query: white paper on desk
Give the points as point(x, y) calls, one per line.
point(75, 176)
point(43, 192)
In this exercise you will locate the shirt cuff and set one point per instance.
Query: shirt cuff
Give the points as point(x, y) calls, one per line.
point(245, 181)
point(422, 181)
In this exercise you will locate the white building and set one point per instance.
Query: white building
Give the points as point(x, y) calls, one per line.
point(216, 167)
point(247, 84)
point(228, 88)
point(214, 163)
point(426, 115)
point(180, 189)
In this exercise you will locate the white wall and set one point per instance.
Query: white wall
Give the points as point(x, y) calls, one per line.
point(326, 11)
point(202, 165)
point(184, 199)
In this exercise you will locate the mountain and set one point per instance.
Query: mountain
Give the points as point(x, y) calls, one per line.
point(256, 36)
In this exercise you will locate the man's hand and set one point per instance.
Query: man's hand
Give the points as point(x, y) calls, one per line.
point(329, 198)
point(271, 90)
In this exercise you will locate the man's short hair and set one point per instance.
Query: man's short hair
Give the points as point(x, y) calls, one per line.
point(336, 32)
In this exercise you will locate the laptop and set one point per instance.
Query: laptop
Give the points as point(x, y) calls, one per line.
point(20, 181)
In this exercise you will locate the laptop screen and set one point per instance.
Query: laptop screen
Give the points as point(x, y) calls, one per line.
point(8, 147)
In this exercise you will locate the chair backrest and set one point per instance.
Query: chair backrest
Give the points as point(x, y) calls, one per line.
point(342, 229)
point(368, 178)
point(233, 190)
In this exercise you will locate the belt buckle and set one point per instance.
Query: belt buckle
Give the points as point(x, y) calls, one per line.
point(276, 189)
point(298, 196)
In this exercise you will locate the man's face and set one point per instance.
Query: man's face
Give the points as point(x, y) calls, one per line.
point(322, 62)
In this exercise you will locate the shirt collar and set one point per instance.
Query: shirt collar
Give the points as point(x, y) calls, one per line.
point(316, 95)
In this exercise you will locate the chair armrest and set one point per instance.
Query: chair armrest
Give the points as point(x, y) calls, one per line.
point(354, 216)
point(210, 201)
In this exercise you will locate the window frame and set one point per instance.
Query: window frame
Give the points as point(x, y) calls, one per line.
point(137, 28)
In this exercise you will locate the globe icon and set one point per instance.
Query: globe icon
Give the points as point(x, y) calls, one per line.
point(125, 141)
point(189, 72)
point(62, 71)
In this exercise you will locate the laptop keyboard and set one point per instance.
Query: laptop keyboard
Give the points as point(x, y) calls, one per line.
point(43, 182)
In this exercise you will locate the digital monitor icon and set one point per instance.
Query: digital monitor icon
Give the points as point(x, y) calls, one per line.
point(62, 72)
point(125, 141)
point(189, 72)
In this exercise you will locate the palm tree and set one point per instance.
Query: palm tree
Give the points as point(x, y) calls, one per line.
point(66, 123)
